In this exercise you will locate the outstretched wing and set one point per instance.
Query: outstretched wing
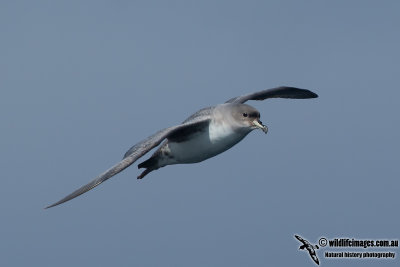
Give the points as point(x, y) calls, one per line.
point(138, 151)
point(315, 258)
point(278, 92)
point(302, 240)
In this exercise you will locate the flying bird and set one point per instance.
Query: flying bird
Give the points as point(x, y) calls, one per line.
point(205, 134)
point(311, 249)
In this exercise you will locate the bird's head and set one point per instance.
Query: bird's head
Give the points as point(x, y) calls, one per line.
point(248, 117)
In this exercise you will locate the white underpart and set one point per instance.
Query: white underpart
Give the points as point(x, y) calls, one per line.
point(217, 138)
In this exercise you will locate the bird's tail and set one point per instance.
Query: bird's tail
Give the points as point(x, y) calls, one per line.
point(150, 165)
point(151, 162)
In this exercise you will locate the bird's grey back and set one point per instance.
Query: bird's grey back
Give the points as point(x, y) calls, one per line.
point(201, 115)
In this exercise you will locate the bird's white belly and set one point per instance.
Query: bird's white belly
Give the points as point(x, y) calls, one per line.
point(213, 141)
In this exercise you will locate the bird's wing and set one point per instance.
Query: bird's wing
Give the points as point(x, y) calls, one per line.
point(202, 114)
point(315, 258)
point(278, 92)
point(137, 151)
point(302, 240)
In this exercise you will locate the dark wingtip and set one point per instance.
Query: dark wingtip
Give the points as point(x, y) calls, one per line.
point(312, 94)
point(294, 92)
point(48, 207)
point(305, 93)
point(54, 204)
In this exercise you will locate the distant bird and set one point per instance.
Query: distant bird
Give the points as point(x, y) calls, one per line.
point(311, 249)
point(205, 134)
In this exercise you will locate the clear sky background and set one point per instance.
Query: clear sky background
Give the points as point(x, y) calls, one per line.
point(82, 81)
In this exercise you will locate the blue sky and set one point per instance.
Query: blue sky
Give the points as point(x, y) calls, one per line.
point(82, 81)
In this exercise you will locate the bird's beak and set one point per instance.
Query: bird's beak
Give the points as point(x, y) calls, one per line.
point(258, 124)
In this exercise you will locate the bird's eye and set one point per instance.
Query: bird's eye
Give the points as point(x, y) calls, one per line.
point(244, 114)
